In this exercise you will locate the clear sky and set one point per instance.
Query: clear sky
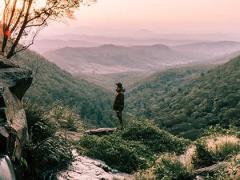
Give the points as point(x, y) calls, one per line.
point(162, 16)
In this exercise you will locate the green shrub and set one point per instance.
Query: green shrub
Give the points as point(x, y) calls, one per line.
point(125, 156)
point(216, 130)
point(169, 168)
point(42, 130)
point(33, 115)
point(66, 118)
point(225, 151)
point(203, 157)
point(53, 153)
point(134, 148)
point(39, 127)
point(45, 152)
point(156, 139)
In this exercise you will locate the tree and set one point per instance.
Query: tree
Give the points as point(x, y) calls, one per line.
point(22, 20)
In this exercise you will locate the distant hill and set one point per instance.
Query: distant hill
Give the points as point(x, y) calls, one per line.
point(51, 85)
point(211, 49)
point(111, 59)
point(186, 101)
point(107, 64)
point(108, 59)
point(75, 40)
point(45, 45)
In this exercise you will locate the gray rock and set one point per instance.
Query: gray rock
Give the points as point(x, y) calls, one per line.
point(14, 82)
point(85, 168)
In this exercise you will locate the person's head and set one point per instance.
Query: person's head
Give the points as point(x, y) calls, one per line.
point(119, 87)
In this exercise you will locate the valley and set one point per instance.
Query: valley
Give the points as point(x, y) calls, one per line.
point(109, 63)
point(173, 114)
point(53, 86)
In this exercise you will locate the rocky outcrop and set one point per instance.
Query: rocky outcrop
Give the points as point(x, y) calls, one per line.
point(86, 168)
point(14, 82)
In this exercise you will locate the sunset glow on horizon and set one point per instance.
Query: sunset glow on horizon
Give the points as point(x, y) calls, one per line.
point(167, 16)
point(164, 16)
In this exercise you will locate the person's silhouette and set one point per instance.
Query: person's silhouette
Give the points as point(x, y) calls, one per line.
point(118, 105)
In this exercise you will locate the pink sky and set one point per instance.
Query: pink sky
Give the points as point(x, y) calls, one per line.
point(162, 16)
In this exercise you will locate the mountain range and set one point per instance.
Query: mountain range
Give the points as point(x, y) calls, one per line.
point(73, 40)
point(107, 64)
point(107, 59)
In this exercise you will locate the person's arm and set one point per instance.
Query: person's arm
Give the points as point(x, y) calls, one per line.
point(121, 103)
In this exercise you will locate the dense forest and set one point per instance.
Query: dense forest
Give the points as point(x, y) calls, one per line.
point(187, 101)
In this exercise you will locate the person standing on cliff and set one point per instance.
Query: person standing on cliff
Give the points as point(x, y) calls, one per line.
point(118, 105)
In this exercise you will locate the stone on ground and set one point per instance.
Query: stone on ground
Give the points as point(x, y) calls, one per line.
point(101, 131)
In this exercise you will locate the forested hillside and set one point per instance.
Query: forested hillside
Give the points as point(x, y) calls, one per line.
point(187, 101)
point(51, 85)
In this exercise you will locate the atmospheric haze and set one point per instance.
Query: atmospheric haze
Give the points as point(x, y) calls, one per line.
point(122, 17)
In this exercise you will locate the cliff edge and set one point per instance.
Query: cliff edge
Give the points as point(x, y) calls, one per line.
point(14, 82)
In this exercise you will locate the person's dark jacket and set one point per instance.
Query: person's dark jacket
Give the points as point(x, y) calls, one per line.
point(119, 102)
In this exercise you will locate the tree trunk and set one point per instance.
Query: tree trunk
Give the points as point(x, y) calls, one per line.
point(4, 43)
point(11, 53)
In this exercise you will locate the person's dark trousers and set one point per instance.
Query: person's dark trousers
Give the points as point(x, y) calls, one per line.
point(119, 115)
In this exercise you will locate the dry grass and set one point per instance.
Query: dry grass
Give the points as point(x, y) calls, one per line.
point(149, 174)
point(183, 159)
point(146, 175)
point(187, 158)
point(215, 143)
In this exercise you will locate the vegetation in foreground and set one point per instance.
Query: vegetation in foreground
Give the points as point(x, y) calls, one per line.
point(133, 149)
point(219, 150)
point(141, 149)
point(49, 149)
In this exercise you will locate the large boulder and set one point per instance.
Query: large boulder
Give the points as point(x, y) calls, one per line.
point(86, 168)
point(14, 82)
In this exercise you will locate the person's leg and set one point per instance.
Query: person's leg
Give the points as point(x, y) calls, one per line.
point(119, 115)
